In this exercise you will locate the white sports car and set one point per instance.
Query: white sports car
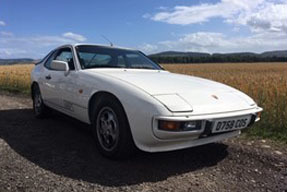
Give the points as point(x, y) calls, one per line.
point(132, 102)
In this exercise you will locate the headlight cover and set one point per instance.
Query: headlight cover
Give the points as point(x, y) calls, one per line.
point(246, 98)
point(174, 103)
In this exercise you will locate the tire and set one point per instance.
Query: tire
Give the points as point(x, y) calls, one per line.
point(39, 108)
point(111, 129)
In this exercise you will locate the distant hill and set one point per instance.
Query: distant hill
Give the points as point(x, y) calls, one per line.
point(274, 54)
point(197, 57)
point(250, 54)
point(193, 57)
point(180, 54)
point(282, 53)
point(16, 61)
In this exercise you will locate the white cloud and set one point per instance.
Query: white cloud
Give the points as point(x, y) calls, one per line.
point(6, 34)
point(218, 42)
point(2, 23)
point(185, 15)
point(270, 17)
point(148, 48)
point(74, 36)
point(162, 8)
point(257, 14)
point(266, 19)
point(12, 46)
point(9, 52)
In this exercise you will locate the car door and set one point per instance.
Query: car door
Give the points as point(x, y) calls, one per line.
point(67, 84)
point(49, 83)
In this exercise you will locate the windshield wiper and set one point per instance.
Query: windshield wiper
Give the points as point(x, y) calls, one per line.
point(104, 66)
point(143, 67)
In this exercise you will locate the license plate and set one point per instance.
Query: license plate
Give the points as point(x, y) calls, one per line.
point(230, 124)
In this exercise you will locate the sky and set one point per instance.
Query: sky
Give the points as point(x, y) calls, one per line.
point(32, 28)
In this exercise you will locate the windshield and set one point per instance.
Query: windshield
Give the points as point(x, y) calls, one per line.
point(104, 57)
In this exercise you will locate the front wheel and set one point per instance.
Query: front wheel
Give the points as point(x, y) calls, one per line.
point(39, 108)
point(111, 129)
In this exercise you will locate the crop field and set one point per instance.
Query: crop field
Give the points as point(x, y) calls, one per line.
point(266, 83)
point(15, 78)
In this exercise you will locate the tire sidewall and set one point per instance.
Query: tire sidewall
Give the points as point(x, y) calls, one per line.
point(36, 91)
point(123, 126)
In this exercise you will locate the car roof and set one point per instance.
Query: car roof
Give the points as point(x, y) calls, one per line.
point(97, 45)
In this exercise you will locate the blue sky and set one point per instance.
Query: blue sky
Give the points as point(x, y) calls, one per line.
point(32, 28)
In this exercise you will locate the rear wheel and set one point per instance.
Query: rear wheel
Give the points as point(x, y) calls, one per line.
point(39, 108)
point(111, 129)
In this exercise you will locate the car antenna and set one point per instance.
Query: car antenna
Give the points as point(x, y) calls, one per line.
point(111, 44)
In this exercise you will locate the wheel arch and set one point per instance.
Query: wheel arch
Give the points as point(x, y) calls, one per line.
point(93, 102)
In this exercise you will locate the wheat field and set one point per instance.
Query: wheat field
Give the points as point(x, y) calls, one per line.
point(266, 83)
point(16, 78)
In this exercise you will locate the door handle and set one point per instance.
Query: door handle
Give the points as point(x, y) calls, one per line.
point(48, 77)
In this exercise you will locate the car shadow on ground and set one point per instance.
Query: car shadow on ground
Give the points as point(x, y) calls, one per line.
point(66, 147)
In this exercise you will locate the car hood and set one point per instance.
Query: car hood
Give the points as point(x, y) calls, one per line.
point(180, 93)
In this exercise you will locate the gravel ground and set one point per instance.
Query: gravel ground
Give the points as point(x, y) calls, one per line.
point(59, 154)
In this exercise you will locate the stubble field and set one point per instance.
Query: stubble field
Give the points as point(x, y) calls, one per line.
point(266, 83)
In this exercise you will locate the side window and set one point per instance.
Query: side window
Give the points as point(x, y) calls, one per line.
point(67, 56)
point(45, 58)
point(49, 60)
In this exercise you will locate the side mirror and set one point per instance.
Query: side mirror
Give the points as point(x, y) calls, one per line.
point(60, 66)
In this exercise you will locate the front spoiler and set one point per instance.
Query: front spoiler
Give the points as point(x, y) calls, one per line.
point(182, 144)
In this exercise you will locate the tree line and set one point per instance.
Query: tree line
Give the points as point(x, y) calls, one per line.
point(216, 59)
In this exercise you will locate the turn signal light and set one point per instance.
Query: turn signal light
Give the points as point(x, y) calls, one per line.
point(169, 125)
point(258, 114)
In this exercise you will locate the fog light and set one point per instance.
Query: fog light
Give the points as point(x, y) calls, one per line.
point(190, 125)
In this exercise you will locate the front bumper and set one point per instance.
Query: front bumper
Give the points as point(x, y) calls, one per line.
point(207, 124)
point(171, 145)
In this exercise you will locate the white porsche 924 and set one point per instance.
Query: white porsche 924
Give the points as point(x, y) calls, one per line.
point(132, 102)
